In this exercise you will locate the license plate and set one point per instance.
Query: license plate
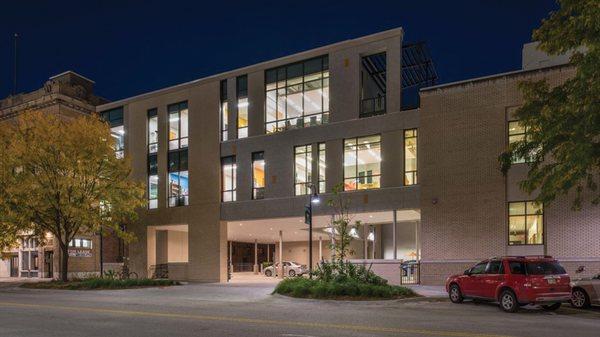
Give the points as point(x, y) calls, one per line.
point(551, 281)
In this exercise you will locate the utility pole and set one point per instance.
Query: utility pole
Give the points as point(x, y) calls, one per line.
point(16, 36)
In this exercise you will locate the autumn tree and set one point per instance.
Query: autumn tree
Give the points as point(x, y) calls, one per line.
point(563, 122)
point(61, 176)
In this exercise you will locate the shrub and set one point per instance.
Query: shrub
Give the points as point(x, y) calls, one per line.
point(315, 288)
point(344, 271)
point(101, 283)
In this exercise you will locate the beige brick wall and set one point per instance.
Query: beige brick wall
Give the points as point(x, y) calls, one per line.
point(463, 192)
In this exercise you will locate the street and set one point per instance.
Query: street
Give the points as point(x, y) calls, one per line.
point(250, 310)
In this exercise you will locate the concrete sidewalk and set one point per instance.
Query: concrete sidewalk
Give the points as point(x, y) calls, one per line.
point(429, 291)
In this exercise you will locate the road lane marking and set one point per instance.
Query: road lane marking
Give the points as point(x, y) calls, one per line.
point(360, 328)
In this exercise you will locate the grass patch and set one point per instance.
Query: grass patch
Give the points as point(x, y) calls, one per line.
point(100, 283)
point(346, 290)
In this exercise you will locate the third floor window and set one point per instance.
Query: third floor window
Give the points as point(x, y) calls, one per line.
point(178, 126)
point(297, 95)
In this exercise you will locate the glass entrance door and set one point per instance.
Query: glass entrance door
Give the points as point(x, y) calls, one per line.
point(14, 266)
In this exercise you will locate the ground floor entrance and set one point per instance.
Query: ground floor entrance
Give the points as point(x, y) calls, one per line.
point(386, 241)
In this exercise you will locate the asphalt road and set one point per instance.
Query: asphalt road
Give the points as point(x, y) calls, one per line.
point(248, 310)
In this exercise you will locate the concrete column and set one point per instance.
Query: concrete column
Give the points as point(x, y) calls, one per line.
point(332, 240)
point(256, 99)
point(162, 247)
point(394, 231)
point(269, 252)
point(255, 256)
point(280, 272)
point(231, 255)
point(366, 242)
point(393, 73)
point(320, 248)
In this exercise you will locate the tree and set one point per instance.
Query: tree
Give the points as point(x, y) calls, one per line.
point(563, 122)
point(341, 225)
point(61, 176)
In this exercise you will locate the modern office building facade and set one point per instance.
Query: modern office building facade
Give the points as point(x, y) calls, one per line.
point(231, 160)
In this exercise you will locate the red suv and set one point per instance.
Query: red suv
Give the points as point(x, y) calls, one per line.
point(513, 281)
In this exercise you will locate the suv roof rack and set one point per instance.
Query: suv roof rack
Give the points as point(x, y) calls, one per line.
point(529, 256)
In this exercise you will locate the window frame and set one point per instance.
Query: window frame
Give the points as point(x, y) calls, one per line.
point(324, 77)
point(508, 216)
point(179, 138)
point(308, 149)
point(181, 199)
point(358, 177)
point(223, 110)
point(321, 171)
point(413, 173)
point(242, 94)
point(233, 174)
point(524, 134)
point(256, 191)
point(115, 118)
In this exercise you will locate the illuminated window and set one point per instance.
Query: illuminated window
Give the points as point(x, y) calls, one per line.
point(228, 179)
point(224, 110)
point(258, 175)
point(362, 163)
point(152, 131)
point(525, 223)
point(114, 118)
point(516, 133)
point(322, 167)
point(178, 126)
point(297, 95)
point(178, 189)
point(242, 105)
point(410, 157)
point(302, 169)
point(152, 181)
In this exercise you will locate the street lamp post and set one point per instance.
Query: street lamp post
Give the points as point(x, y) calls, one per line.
point(313, 198)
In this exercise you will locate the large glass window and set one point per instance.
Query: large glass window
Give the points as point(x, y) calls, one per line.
point(224, 110)
point(258, 175)
point(242, 105)
point(228, 179)
point(114, 118)
point(178, 125)
point(152, 181)
point(297, 95)
point(410, 157)
point(178, 189)
point(525, 223)
point(362, 163)
point(322, 167)
point(302, 169)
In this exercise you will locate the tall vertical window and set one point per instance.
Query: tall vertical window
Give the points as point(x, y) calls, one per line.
point(297, 95)
point(410, 157)
point(258, 175)
point(178, 189)
point(224, 110)
point(362, 163)
point(525, 223)
point(242, 105)
point(152, 131)
point(178, 125)
point(228, 179)
point(152, 181)
point(152, 159)
point(516, 132)
point(302, 169)
point(322, 167)
point(114, 118)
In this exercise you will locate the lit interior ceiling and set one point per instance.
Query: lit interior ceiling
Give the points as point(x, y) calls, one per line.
point(294, 229)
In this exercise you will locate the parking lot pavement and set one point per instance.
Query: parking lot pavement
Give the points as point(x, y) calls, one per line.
point(248, 309)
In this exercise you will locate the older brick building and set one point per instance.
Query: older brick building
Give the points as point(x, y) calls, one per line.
point(67, 94)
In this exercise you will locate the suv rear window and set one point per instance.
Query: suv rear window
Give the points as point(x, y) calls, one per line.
point(544, 268)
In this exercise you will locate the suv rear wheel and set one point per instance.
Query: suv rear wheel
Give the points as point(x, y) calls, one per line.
point(508, 301)
point(268, 273)
point(455, 294)
point(292, 273)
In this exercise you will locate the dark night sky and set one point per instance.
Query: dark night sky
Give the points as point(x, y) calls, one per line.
point(131, 47)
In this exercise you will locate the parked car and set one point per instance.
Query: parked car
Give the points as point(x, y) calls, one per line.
point(586, 291)
point(290, 268)
point(513, 281)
